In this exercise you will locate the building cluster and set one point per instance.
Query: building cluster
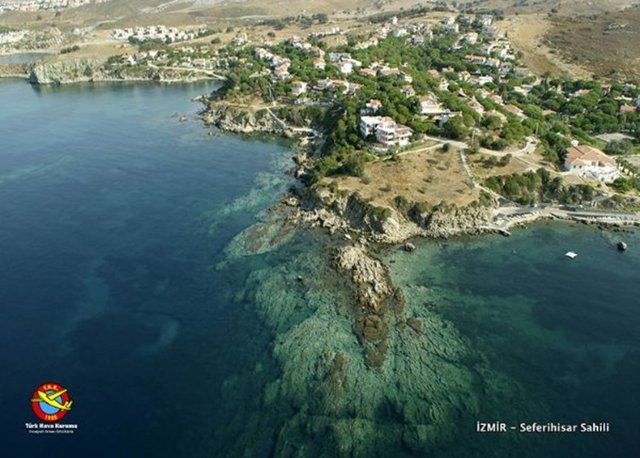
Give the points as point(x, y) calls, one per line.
point(185, 58)
point(416, 34)
point(327, 33)
point(318, 61)
point(330, 85)
point(158, 32)
point(279, 64)
point(343, 62)
point(494, 58)
point(485, 46)
point(44, 5)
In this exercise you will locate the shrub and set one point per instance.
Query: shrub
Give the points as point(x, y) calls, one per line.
point(69, 49)
point(353, 165)
point(616, 147)
point(505, 160)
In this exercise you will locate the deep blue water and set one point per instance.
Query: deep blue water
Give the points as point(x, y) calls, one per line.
point(107, 205)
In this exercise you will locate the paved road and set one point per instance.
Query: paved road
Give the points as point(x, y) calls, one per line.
point(507, 216)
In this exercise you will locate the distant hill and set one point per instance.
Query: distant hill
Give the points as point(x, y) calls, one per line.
point(607, 43)
point(599, 36)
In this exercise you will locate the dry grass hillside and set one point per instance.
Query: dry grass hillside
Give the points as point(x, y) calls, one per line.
point(608, 44)
point(578, 38)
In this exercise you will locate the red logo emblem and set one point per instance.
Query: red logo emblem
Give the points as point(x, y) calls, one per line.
point(50, 402)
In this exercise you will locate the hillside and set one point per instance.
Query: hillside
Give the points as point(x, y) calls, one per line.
point(562, 37)
point(606, 43)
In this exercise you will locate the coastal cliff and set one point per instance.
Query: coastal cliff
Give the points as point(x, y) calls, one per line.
point(351, 213)
point(78, 70)
point(67, 71)
point(13, 70)
point(340, 212)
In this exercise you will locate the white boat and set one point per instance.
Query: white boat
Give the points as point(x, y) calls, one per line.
point(571, 254)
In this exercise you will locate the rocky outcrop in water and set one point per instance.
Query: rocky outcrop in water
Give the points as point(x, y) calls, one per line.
point(374, 295)
point(368, 274)
point(244, 120)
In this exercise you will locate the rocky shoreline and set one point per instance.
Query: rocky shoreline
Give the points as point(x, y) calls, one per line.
point(14, 71)
point(92, 70)
point(359, 227)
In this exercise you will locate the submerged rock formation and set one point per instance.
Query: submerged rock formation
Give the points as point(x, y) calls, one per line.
point(364, 368)
point(329, 400)
point(373, 291)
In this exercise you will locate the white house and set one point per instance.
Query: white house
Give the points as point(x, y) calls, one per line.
point(588, 162)
point(345, 67)
point(372, 107)
point(324, 84)
point(429, 106)
point(319, 63)
point(392, 134)
point(368, 124)
point(298, 88)
point(282, 73)
point(408, 90)
point(402, 76)
point(471, 38)
point(387, 132)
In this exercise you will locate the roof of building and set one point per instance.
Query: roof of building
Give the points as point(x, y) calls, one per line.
point(585, 153)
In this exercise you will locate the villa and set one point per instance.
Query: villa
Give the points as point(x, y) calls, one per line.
point(392, 134)
point(429, 106)
point(588, 162)
point(298, 88)
point(319, 63)
point(387, 131)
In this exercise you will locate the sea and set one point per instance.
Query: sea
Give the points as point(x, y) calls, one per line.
point(125, 278)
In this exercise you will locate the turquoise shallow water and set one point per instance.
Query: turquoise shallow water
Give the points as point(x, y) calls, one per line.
point(117, 280)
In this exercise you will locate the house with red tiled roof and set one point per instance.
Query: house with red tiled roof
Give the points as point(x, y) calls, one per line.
point(588, 162)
